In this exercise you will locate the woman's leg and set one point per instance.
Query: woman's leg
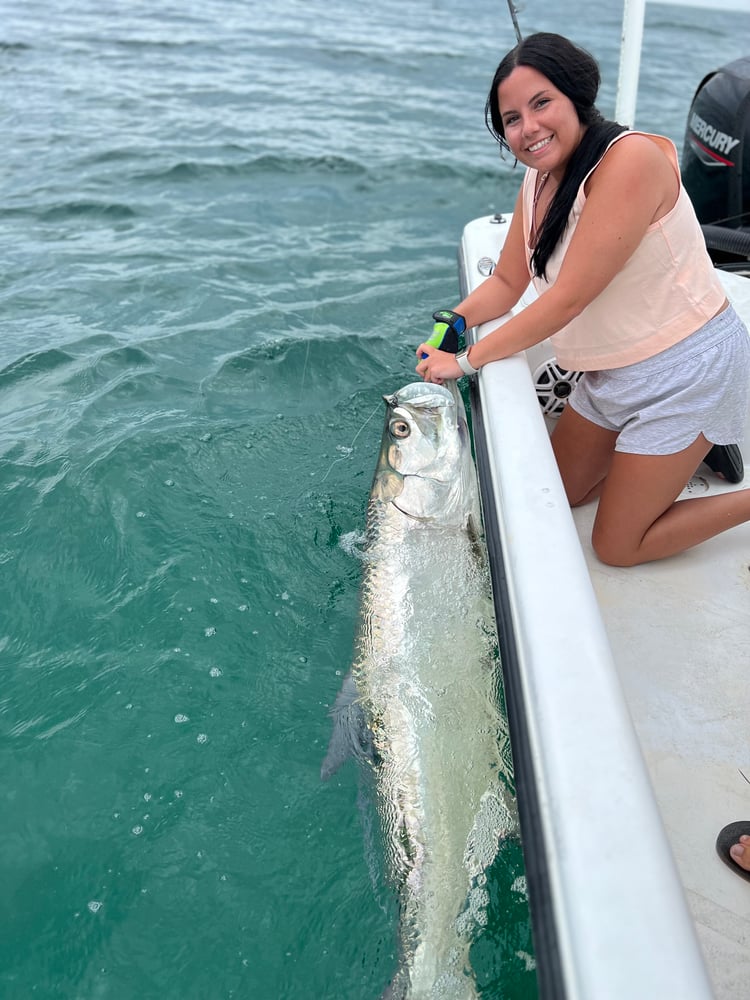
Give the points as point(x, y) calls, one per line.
point(583, 451)
point(639, 519)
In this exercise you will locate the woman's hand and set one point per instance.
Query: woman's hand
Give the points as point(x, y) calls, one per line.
point(438, 365)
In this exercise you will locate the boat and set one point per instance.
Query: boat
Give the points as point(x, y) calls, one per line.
point(627, 699)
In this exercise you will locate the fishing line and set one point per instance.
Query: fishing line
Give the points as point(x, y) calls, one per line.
point(315, 312)
point(351, 446)
point(307, 355)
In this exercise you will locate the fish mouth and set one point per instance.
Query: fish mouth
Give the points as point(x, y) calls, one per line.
point(418, 394)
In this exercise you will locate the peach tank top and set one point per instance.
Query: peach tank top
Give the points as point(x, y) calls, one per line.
point(667, 289)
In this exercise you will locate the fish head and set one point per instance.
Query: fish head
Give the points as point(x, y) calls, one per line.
point(425, 468)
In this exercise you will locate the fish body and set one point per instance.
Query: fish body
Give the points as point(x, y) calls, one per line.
point(421, 701)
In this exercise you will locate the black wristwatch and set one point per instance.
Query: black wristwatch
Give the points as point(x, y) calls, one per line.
point(464, 364)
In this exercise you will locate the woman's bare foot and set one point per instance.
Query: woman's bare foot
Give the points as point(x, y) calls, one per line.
point(741, 852)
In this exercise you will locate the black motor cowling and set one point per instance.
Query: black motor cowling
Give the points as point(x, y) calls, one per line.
point(716, 157)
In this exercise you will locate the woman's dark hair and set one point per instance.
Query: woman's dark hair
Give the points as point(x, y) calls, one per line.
point(574, 72)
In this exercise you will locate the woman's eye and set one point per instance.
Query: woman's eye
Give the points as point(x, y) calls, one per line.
point(400, 428)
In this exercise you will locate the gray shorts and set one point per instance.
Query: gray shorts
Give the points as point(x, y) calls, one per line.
point(659, 406)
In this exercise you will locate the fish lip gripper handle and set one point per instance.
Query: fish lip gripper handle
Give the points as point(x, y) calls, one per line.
point(447, 331)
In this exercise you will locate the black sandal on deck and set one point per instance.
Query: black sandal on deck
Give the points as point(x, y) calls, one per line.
point(726, 460)
point(729, 836)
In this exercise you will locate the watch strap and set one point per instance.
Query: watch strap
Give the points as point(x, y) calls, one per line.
point(465, 365)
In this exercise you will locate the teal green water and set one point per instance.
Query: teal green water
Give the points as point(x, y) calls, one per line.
point(225, 226)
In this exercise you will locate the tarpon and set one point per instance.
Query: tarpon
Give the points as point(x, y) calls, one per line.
point(420, 703)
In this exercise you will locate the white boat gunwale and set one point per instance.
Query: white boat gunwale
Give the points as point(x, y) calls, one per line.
point(608, 903)
point(553, 759)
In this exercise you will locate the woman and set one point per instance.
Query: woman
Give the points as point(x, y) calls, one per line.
point(628, 295)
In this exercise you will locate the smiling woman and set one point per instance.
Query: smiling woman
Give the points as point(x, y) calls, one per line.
point(627, 294)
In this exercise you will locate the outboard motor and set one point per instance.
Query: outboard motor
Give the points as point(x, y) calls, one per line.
point(716, 162)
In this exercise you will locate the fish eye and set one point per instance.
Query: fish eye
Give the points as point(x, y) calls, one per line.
point(399, 428)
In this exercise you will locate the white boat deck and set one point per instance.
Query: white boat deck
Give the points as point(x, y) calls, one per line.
point(679, 635)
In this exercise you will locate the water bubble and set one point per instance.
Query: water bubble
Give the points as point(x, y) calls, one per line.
point(140, 513)
point(492, 818)
point(350, 542)
point(214, 600)
point(181, 718)
point(519, 885)
point(95, 905)
point(169, 482)
point(215, 672)
point(479, 900)
point(242, 607)
point(208, 632)
point(137, 831)
point(201, 738)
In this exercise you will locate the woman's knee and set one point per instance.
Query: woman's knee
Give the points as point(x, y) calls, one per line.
point(612, 549)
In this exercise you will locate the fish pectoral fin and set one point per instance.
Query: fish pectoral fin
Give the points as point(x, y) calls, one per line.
point(351, 736)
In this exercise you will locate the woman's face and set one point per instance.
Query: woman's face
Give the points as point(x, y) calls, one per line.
point(541, 123)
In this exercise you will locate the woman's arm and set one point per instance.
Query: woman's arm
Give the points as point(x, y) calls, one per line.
point(504, 287)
